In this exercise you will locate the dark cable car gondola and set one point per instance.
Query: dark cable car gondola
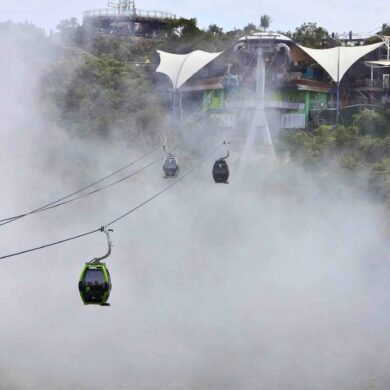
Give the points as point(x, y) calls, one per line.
point(95, 281)
point(171, 165)
point(221, 170)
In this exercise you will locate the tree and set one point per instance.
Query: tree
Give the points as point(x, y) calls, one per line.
point(71, 31)
point(249, 28)
point(310, 35)
point(265, 21)
point(370, 122)
point(385, 29)
point(91, 96)
point(214, 29)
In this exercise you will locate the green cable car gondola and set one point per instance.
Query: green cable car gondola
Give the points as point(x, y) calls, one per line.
point(95, 281)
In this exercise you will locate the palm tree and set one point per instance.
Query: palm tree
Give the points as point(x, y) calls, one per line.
point(265, 21)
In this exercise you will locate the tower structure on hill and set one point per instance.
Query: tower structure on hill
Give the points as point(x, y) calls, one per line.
point(122, 17)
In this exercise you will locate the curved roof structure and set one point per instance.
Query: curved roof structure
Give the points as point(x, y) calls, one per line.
point(180, 67)
point(337, 60)
point(266, 36)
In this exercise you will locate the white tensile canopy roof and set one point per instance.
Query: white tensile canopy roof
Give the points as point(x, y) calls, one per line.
point(180, 67)
point(337, 60)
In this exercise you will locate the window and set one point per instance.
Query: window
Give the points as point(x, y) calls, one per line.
point(293, 121)
point(94, 276)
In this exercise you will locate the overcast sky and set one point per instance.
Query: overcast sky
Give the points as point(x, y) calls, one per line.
point(360, 16)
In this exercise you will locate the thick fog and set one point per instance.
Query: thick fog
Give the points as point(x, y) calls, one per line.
point(272, 281)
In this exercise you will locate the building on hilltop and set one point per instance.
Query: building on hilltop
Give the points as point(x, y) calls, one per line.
point(304, 87)
point(123, 18)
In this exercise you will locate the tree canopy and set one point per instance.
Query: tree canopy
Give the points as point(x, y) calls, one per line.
point(310, 35)
point(265, 22)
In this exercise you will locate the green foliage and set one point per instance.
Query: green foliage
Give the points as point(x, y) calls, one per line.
point(71, 32)
point(362, 160)
point(385, 29)
point(265, 21)
point(348, 162)
point(215, 30)
point(93, 96)
point(346, 136)
point(310, 35)
point(249, 29)
point(380, 180)
point(370, 122)
point(183, 36)
point(373, 149)
point(121, 48)
point(310, 147)
point(188, 27)
point(182, 27)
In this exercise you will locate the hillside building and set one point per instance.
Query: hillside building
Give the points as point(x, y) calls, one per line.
point(304, 87)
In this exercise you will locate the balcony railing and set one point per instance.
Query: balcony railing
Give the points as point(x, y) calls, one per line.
point(251, 103)
point(374, 83)
point(111, 12)
point(295, 75)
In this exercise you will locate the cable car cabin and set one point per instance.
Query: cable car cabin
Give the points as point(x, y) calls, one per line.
point(221, 171)
point(95, 284)
point(171, 166)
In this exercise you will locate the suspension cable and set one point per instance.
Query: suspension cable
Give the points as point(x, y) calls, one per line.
point(190, 171)
point(62, 201)
point(47, 206)
point(89, 193)
point(56, 203)
point(51, 244)
point(165, 189)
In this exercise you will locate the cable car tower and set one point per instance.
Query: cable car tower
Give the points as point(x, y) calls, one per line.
point(259, 133)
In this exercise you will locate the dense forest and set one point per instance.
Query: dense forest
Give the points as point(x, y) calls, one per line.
point(92, 85)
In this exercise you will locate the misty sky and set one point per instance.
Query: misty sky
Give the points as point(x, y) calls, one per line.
point(360, 16)
point(279, 280)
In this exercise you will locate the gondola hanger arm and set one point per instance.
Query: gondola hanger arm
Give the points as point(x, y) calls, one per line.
point(165, 151)
point(226, 143)
point(224, 158)
point(109, 242)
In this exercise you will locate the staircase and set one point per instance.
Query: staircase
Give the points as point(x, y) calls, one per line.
point(366, 96)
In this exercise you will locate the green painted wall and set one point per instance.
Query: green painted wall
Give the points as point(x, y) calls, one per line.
point(310, 98)
point(214, 100)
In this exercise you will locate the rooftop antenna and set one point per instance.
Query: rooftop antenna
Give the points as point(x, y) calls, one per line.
point(123, 6)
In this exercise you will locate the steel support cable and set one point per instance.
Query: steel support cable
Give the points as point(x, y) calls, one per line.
point(51, 244)
point(47, 206)
point(56, 203)
point(166, 188)
point(94, 191)
point(120, 217)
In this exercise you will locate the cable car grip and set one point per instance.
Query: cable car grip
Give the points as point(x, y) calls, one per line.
point(109, 242)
